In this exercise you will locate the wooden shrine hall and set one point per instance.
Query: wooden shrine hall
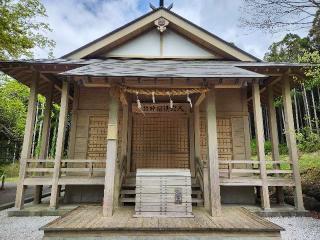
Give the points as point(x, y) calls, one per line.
point(163, 94)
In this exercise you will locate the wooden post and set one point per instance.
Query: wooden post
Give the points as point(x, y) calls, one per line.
point(124, 132)
point(197, 147)
point(27, 139)
point(274, 138)
point(291, 141)
point(258, 121)
point(215, 199)
point(191, 145)
point(60, 144)
point(45, 137)
point(74, 119)
point(129, 142)
point(109, 186)
point(122, 160)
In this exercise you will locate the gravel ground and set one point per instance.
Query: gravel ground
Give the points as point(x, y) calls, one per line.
point(27, 228)
point(22, 228)
point(298, 228)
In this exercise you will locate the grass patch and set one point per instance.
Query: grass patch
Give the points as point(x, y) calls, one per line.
point(12, 180)
point(10, 170)
point(306, 161)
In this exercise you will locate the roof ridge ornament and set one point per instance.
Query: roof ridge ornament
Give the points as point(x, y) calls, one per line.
point(161, 24)
point(161, 5)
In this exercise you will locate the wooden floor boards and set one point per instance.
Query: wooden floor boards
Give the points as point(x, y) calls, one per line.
point(90, 218)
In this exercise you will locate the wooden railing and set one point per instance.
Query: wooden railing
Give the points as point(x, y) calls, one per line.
point(71, 167)
point(247, 168)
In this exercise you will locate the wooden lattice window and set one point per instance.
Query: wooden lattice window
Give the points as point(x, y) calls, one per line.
point(224, 128)
point(160, 141)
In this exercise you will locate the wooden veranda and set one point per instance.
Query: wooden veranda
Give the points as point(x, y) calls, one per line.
point(88, 221)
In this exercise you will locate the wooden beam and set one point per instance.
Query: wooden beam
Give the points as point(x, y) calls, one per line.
point(258, 121)
point(123, 152)
point(191, 145)
point(112, 140)
point(129, 142)
point(123, 98)
point(200, 99)
point(45, 136)
point(291, 141)
point(74, 119)
point(197, 147)
point(215, 199)
point(60, 144)
point(27, 139)
point(278, 79)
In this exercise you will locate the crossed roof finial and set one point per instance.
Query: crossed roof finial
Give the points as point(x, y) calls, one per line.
point(161, 5)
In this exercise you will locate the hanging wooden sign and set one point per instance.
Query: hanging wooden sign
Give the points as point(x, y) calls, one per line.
point(161, 108)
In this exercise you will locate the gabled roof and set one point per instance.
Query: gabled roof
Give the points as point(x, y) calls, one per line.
point(146, 22)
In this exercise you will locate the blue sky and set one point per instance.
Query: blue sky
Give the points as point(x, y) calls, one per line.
point(77, 22)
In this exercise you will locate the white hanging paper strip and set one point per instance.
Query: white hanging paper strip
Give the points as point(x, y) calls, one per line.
point(138, 101)
point(153, 98)
point(171, 102)
point(189, 99)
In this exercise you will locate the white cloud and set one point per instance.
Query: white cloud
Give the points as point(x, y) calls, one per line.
point(77, 22)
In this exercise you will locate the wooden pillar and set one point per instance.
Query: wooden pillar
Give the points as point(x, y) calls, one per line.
point(74, 119)
point(60, 144)
point(124, 132)
point(258, 121)
point(191, 145)
point(129, 142)
point(27, 139)
point(123, 153)
point(197, 147)
point(215, 199)
point(45, 137)
point(274, 138)
point(109, 186)
point(291, 141)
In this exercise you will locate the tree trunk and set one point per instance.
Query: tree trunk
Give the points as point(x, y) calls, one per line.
point(315, 112)
point(35, 131)
point(296, 109)
point(306, 105)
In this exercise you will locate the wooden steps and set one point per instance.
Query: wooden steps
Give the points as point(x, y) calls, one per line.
point(128, 192)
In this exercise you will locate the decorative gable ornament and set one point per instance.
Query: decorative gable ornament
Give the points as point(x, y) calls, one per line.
point(161, 24)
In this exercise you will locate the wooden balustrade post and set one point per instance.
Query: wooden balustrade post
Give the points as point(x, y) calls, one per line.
point(60, 144)
point(27, 139)
point(214, 183)
point(258, 121)
point(45, 135)
point(291, 141)
point(112, 142)
point(274, 139)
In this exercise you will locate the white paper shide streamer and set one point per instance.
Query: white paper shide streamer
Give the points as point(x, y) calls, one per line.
point(189, 99)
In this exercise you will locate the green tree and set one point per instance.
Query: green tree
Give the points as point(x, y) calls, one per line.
point(314, 33)
point(22, 28)
point(13, 105)
point(288, 49)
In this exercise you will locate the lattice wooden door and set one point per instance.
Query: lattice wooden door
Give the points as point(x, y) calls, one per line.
point(160, 141)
